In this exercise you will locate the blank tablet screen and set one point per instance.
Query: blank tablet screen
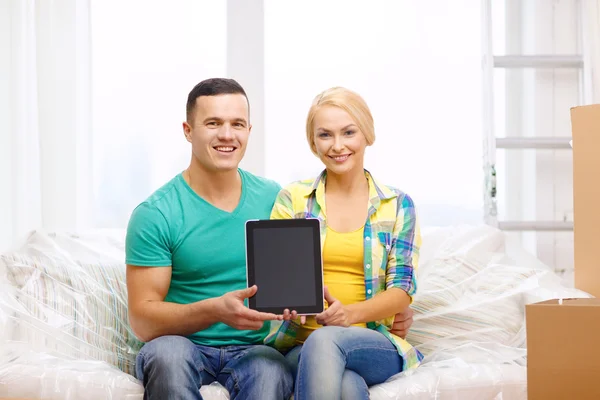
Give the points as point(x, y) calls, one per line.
point(284, 261)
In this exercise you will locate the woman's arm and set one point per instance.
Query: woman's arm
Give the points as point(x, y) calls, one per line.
point(283, 208)
point(400, 278)
point(382, 305)
point(403, 257)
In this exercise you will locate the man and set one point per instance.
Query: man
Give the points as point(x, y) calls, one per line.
point(186, 273)
point(402, 323)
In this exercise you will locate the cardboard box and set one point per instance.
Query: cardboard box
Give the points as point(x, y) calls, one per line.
point(585, 126)
point(563, 352)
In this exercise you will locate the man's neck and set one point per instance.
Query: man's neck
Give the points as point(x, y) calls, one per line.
point(221, 189)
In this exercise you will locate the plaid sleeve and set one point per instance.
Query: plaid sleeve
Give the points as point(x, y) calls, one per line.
point(282, 335)
point(403, 256)
point(283, 207)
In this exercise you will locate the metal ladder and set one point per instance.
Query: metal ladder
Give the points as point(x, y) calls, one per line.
point(491, 142)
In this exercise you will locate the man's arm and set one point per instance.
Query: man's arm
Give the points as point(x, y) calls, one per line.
point(402, 323)
point(150, 316)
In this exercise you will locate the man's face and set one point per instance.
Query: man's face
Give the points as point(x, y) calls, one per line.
point(219, 131)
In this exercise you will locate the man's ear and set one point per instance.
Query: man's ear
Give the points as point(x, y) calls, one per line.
point(187, 131)
point(249, 128)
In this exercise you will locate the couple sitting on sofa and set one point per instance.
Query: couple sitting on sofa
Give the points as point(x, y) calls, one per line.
point(186, 274)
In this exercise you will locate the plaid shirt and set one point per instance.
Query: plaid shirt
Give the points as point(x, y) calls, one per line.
point(391, 250)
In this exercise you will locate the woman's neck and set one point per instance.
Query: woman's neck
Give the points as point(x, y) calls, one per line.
point(350, 182)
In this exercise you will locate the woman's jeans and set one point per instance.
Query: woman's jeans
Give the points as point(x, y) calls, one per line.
point(341, 363)
point(172, 367)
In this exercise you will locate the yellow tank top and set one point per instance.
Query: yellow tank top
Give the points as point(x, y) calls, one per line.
point(343, 272)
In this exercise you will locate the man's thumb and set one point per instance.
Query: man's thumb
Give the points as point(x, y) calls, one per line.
point(248, 292)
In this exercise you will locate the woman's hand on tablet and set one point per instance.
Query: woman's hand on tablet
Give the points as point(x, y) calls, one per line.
point(287, 315)
point(336, 314)
point(232, 311)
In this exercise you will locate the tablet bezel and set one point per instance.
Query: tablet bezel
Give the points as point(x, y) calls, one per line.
point(313, 223)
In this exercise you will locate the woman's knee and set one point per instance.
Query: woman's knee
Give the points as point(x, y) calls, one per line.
point(354, 386)
point(323, 338)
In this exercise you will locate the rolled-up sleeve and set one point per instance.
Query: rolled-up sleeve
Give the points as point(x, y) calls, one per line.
point(403, 256)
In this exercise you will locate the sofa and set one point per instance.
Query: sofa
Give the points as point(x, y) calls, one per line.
point(64, 331)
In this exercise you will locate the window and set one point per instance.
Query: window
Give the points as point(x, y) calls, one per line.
point(141, 75)
point(418, 66)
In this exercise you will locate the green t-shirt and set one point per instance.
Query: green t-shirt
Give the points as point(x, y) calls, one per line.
point(205, 246)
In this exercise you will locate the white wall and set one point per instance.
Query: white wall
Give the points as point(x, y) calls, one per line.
point(63, 81)
point(246, 64)
point(6, 175)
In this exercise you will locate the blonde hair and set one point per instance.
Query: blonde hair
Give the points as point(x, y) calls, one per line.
point(348, 101)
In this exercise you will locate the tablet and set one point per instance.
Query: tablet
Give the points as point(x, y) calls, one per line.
point(283, 258)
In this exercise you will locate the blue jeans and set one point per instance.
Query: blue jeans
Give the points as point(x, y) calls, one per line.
point(172, 367)
point(341, 363)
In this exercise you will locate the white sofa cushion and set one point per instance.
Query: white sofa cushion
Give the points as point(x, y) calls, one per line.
point(69, 299)
point(471, 294)
point(40, 376)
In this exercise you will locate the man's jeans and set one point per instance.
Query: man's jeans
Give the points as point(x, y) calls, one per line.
point(172, 367)
point(337, 362)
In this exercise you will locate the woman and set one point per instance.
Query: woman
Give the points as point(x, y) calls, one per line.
point(370, 240)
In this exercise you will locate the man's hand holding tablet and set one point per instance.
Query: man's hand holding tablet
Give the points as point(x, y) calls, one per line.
point(232, 311)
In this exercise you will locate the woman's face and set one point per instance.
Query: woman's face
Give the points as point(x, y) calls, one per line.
point(340, 143)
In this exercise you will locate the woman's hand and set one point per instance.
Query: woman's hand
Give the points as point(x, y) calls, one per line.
point(336, 314)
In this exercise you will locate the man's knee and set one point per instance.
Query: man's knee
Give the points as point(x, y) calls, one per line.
point(268, 370)
point(170, 367)
point(165, 355)
point(270, 363)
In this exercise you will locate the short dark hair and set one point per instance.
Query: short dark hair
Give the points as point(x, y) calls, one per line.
point(212, 87)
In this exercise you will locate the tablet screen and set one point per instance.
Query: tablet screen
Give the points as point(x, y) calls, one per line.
point(284, 261)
